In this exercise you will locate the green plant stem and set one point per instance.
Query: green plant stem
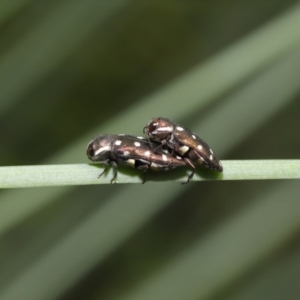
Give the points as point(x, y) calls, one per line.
point(83, 174)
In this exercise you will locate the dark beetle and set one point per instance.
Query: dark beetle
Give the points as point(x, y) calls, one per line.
point(132, 151)
point(183, 142)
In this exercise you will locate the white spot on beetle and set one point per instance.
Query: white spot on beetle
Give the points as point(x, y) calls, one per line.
point(140, 137)
point(164, 157)
point(200, 147)
point(126, 153)
point(154, 166)
point(211, 157)
point(178, 157)
point(118, 142)
point(147, 153)
point(131, 162)
point(165, 129)
point(201, 159)
point(179, 128)
point(183, 149)
point(211, 151)
point(193, 136)
point(137, 144)
point(102, 149)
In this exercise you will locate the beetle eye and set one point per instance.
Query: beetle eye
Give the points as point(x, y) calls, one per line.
point(152, 126)
point(90, 151)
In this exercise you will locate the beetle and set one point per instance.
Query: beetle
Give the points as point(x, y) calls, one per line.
point(183, 142)
point(133, 151)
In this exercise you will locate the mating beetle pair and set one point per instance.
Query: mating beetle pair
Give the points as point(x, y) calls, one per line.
point(168, 146)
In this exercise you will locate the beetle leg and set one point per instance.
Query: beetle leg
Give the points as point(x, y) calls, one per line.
point(105, 165)
point(114, 165)
point(188, 162)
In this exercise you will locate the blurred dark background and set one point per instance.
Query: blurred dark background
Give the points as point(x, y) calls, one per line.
point(228, 70)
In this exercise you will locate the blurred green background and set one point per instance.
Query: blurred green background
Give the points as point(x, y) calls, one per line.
point(228, 70)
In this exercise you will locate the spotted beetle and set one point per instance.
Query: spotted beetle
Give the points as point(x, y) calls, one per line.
point(183, 142)
point(131, 151)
